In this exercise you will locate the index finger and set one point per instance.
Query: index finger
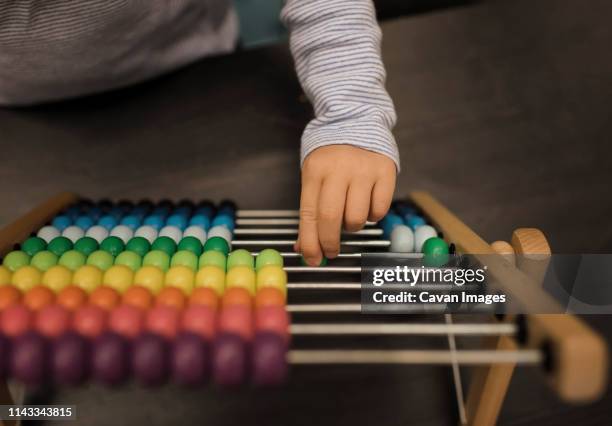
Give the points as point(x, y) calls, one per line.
point(307, 235)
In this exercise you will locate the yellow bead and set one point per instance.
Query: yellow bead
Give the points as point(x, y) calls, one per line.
point(212, 277)
point(181, 277)
point(272, 276)
point(241, 276)
point(5, 275)
point(57, 277)
point(26, 277)
point(88, 277)
point(150, 277)
point(119, 277)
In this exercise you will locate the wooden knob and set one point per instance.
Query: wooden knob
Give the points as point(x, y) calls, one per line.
point(505, 250)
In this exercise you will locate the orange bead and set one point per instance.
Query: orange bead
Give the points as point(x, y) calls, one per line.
point(171, 296)
point(138, 296)
point(237, 296)
point(72, 297)
point(269, 296)
point(105, 297)
point(204, 296)
point(38, 297)
point(9, 296)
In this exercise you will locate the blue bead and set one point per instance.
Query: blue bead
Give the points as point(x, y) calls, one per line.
point(155, 221)
point(205, 211)
point(116, 212)
point(226, 210)
point(61, 222)
point(131, 221)
point(161, 211)
point(177, 220)
point(405, 210)
point(414, 221)
point(224, 220)
point(182, 211)
point(95, 212)
point(72, 212)
point(84, 222)
point(200, 220)
point(108, 222)
point(389, 222)
point(140, 211)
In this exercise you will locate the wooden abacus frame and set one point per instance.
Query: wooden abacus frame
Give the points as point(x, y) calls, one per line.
point(578, 370)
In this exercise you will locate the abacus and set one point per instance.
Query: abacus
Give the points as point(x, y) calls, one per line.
point(196, 293)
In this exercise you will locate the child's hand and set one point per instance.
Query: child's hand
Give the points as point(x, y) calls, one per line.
point(341, 184)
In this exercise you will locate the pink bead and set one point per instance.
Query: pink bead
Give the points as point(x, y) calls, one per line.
point(89, 321)
point(52, 321)
point(273, 319)
point(126, 320)
point(237, 319)
point(200, 320)
point(16, 320)
point(163, 320)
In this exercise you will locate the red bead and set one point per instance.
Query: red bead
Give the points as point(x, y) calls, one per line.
point(204, 296)
point(273, 319)
point(237, 296)
point(200, 320)
point(163, 320)
point(16, 320)
point(72, 297)
point(171, 296)
point(126, 320)
point(89, 321)
point(105, 297)
point(38, 297)
point(269, 296)
point(138, 296)
point(237, 319)
point(9, 296)
point(52, 321)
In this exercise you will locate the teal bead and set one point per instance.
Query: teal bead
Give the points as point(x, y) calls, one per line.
point(435, 252)
point(158, 258)
point(59, 245)
point(100, 259)
point(15, 260)
point(165, 244)
point(33, 245)
point(217, 244)
point(112, 245)
point(130, 259)
point(139, 245)
point(191, 244)
point(268, 257)
point(72, 259)
point(240, 257)
point(86, 245)
point(184, 258)
point(213, 258)
point(43, 260)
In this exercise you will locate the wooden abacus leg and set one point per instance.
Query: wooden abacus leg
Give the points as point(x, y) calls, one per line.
point(490, 384)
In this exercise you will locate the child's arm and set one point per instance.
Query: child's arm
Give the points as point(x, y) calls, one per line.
point(349, 156)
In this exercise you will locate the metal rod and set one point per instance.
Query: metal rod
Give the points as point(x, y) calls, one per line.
point(276, 243)
point(324, 286)
point(324, 269)
point(308, 285)
point(294, 231)
point(417, 329)
point(291, 254)
point(416, 356)
point(452, 344)
point(267, 213)
point(325, 307)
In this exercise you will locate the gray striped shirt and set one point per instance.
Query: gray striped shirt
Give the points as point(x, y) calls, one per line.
point(57, 49)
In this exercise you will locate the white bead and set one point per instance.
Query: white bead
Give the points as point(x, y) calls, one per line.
point(97, 232)
point(73, 233)
point(171, 231)
point(147, 232)
point(422, 234)
point(402, 239)
point(47, 233)
point(123, 232)
point(195, 231)
point(221, 231)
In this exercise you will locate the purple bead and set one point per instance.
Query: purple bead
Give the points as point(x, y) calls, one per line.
point(230, 360)
point(150, 359)
point(29, 359)
point(70, 359)
point(5, 354)
point(110, 359)
point(269, 360)
point(190, 359)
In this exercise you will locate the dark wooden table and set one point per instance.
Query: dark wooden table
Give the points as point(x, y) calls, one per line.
point(504, 114)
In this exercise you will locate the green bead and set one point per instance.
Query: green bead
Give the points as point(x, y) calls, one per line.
point(185, 258)
point(240, 257)
point(165, 244)
point(323, 262)
point(268, 257)
point(33, 245)
point(138, 245)
point(113, 245)
point(218, 244)
point(158, 258)
point(192, 244)
point(101, 259)
point(15, 260)
point(435, 251)
point(43, 260)
point(59, 245)
point(86, 245)
point(130, 259)
point(213, 258)
point(72, 259)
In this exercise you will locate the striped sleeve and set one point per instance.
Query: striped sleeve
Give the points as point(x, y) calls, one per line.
point(336, 48)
